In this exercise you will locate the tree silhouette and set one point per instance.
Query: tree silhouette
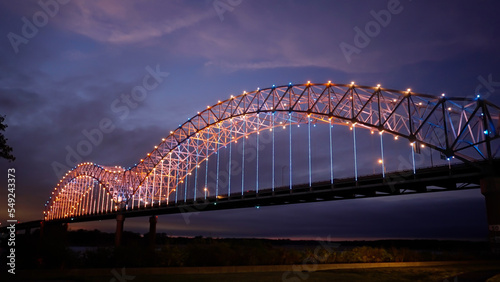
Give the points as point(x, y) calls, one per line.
point(5, 150)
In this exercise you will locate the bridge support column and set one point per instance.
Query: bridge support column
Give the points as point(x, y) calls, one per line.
point(119, 229)
point(152, 231)
point(490, 188)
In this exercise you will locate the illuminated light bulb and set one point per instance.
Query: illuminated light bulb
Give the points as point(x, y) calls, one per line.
point(371, 132)
point(308, 82)
point(442, 95)
point(449, 109)
point(409, 89)
point(395, 137)
point(329, 82)
point(394, 100)
point(352, 82)
point(378, 85)
point(171, 132)
point(284, 127)
point(422, 146)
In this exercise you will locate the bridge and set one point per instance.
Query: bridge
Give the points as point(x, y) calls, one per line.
point(250, 151)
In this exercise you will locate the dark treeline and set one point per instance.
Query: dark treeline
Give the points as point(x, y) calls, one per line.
point(94, 249)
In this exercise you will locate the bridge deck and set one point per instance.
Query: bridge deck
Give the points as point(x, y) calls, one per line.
point(435, 179)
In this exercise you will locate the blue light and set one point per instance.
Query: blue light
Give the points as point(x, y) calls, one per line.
point(478, 96)
point(290, 83)
point(274, 85)
point(486, 132)
point(257, 207)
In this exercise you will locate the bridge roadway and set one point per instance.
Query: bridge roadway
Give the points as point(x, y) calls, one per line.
point(431, 179)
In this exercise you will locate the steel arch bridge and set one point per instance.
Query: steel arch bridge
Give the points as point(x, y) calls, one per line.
point(463, 128)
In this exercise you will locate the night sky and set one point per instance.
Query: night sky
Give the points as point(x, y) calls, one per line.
point(66, 65)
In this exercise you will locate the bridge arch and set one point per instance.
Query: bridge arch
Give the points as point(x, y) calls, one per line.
point(457, 127)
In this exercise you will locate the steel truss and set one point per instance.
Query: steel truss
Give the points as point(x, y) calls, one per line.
point(463, 128)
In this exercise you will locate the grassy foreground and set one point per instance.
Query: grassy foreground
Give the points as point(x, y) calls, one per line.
point(474, 271)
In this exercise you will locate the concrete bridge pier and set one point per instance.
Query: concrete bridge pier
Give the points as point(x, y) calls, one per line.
point(120, 218)
point(490, 188)
point(152, 231)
